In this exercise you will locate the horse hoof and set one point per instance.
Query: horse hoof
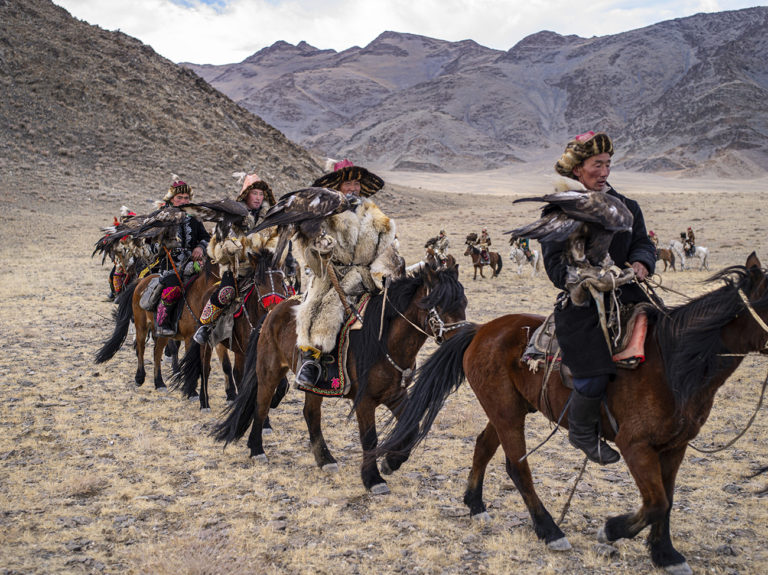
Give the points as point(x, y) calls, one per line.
point(601, 537)
point(162, 389)
point(483, 517)
point(194, 398)
point(380, 489)
point(266, 431)
point(260, 458)
point(385, 468)
point(330, 468)
point(205, 409)
point(561, 544)
point(679, 569)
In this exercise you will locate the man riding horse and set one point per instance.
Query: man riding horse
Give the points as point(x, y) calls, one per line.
point(525, 245)
point(440, 244)
point(689, 242)
point(359, 248)
point(232, 253)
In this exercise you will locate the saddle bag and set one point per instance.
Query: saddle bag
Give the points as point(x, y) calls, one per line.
point(151, 296)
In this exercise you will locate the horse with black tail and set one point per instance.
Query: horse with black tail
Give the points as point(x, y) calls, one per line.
point(382, 355)
point(257, 295)
point(658, 408)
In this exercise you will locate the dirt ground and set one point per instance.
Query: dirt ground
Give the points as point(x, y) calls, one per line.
point(98, 476)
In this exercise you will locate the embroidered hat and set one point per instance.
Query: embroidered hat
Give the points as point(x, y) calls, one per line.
point(580, 148)
point(346, 171)
point(178, 187)
point(254, 182)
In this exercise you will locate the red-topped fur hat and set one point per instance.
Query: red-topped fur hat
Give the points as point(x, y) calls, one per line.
point(346, 171)
point(254, 182)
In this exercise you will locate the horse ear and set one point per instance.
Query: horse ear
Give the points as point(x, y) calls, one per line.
point(753, 261)
point(455, 271)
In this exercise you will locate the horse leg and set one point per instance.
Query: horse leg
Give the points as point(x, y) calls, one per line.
point(318, 447)
point(141, 343)
point(369, 471)
point(510, 410)
point(205, 375)
point(486, 445)
point(654, 478)
point(158, 359)
point(230, 387)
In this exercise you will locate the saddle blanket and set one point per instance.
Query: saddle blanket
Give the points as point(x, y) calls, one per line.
point(334, 380)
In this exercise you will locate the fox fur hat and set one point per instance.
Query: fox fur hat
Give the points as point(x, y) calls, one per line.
point(177, 187)
point(254, 182)
point(346, 171)
point(580, 148)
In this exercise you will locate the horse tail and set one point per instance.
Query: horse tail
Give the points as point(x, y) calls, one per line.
point(240, 414)
point(441, 375)
point(190, 370)
point(123, 316)
point(499, 263)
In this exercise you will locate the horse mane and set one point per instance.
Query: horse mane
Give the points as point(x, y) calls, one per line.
point(261, 262)
point(689, 335)
point(446, 292)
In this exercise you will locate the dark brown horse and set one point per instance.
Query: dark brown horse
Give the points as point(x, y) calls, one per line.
point(667, 256)
point(427, 304)
point(659, 407)
point(478, 263)
point(128, 309)
point(260, 293)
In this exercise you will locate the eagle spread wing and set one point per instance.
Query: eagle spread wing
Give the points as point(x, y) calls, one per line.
point(158, 227)
point(586, 221)
point(228, 214)
point(302, 212)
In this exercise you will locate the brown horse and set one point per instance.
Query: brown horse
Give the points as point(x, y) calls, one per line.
point(436, 262)
point(264, 290)
point(667, 256)
point(477, 261)
point(659, 407)
point(128, 309)
point(429, 303)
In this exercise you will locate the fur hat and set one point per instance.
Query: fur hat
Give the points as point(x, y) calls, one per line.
point(580, 148)
point(254, 182)
point(177, 187)
point(346, 171)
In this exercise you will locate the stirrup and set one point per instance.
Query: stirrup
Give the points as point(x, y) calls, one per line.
point(202, 334)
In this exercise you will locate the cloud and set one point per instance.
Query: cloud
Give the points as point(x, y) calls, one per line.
point(226, 31)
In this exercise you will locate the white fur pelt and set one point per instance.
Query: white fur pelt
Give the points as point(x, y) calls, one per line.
point(364, 250)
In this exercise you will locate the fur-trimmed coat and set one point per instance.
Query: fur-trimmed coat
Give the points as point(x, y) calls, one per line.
point(364, 250)
point(232, 253)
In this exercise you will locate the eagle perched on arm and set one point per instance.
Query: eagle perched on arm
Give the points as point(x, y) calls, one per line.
point(229, 215)
point(585, 221)
point(302, 212)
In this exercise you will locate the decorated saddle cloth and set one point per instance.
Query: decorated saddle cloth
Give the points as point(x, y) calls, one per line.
point(543, 348)
point(334, 379)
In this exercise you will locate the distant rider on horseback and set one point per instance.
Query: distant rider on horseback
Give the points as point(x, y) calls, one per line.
point(525, 245)
point(689, 243)
point(484, 242)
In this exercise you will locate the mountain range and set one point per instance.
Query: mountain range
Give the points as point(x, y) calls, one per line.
point(688, 95)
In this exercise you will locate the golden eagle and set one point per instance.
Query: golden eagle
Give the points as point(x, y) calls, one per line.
point(228, 214)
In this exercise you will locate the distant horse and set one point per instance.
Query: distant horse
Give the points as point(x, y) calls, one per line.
point(658, 408)
point(518, 256)
point(128, 309)
point(430, 303)
point(436, 262)
point(699, 252)
point(478, 263)
point(667, 256)
point(261, 292)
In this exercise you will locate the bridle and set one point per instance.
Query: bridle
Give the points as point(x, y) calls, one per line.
point(755, 316)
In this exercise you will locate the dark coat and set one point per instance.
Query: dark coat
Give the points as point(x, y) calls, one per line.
point(192, 234)
point(581, 340)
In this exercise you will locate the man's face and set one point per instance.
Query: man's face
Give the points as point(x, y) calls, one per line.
point(254, 199)
point(594, 172)
point(180, 200)
point(350, 187)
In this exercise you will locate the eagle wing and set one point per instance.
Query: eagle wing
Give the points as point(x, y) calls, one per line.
point(227, 214)
point(113, 235)
point(303, 212)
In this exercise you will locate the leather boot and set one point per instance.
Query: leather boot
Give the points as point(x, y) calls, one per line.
point(583, 429)
point(310, 369)
point(202, 334)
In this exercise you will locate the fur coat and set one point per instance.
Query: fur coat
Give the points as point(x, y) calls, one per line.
point(363, 249)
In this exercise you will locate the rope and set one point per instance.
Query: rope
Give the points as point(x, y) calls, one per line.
point(335, 283)
point(749, 424)
point(567, 505)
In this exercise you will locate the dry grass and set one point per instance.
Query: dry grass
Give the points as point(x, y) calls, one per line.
point(98, 476)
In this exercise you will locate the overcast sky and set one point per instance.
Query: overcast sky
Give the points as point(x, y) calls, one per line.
point(227, 31)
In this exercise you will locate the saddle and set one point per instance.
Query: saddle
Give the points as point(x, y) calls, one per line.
point(334, 379)
point(543, 347)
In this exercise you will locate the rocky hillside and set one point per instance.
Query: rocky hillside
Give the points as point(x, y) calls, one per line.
point(687, 95)
point(88, 113)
